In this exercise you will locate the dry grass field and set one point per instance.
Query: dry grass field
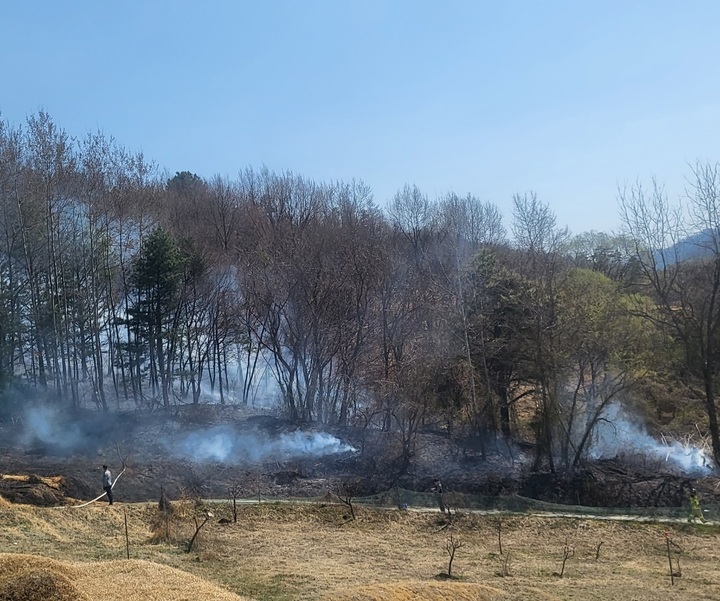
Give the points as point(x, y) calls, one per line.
point(311, 551)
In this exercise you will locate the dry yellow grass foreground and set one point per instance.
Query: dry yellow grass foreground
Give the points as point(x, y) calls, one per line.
point(437, 591)
point(283, 552)
point(32, 578)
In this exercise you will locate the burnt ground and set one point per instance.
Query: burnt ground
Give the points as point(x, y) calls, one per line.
point(76, 449)
point(60, 460)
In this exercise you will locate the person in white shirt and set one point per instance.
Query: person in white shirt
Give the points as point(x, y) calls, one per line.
point(107, 483)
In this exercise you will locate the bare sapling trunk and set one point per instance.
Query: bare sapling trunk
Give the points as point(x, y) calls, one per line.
point(345, 495)
point(675, 571)
point(198, 527)
point(505, 572)
point(451, 546)
point(127, 536)
point(234, 494)
point(499, 535)
point(568, 552)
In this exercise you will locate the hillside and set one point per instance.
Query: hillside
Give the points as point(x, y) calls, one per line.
point(206, 451)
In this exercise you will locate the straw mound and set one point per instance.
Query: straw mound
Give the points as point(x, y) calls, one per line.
point(141, 580)
point(30, 578)
point(44, 491)
point(434, 591)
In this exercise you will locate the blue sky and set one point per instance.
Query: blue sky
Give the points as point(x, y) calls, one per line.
point(566, 98)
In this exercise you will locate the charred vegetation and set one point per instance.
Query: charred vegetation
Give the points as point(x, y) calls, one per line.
point(155, 469)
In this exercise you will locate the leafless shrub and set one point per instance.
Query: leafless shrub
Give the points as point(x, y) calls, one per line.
point(198, 527)
point(163, 527)
point(451, 546)
point(568, 552)
point(346, 495)
point(234, 494)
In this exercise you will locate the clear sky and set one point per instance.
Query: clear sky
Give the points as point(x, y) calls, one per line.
point(567, 98)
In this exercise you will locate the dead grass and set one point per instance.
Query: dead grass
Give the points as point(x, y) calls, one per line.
point(29, 578)
point(51, 481)
point(139, 580)
point(32, 578)
point(434, 591)
point(279, 552)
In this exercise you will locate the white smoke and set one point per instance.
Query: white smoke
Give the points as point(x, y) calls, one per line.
point(619, 433)
point(46, 425)
point(224, 444)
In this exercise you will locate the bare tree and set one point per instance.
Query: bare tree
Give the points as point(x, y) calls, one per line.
point(470, 227)
point(12, 280)
point(678, 253)
point(198, 526)
point(451, 546)
point(541, 243)
point(346, 494)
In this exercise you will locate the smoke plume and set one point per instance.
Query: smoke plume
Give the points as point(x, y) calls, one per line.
point(47, 426)
point(619, 433)
point(224, 444)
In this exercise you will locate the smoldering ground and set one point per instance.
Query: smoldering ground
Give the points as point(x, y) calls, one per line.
point(214, 445)
point(225, 444)
point(621, 433)
point(45, 430)
point(188, 448)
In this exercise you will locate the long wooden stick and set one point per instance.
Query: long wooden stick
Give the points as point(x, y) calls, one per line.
point(127, 536)
point(102, 495)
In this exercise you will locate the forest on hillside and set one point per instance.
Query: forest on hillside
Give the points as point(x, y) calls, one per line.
point(121, 287)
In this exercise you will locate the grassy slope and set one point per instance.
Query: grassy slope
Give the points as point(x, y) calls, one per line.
point(282, 552)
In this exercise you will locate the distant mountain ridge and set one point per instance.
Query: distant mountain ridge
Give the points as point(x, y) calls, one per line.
point(696, 246)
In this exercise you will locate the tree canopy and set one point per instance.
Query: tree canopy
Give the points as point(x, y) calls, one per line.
point(122, 286)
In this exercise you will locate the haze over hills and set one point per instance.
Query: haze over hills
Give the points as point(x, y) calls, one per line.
point(704, 244)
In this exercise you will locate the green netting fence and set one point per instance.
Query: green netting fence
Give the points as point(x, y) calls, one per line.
point(400, 498)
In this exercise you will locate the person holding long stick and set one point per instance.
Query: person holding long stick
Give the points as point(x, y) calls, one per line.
point(107, 483)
